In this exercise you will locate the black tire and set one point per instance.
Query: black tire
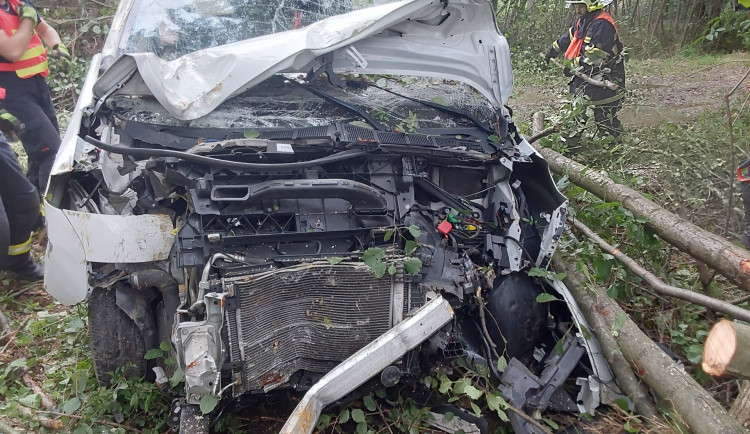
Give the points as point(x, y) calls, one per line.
point(115, 339)
point(193, 421)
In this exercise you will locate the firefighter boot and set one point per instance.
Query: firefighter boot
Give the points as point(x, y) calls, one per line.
point(25, 268)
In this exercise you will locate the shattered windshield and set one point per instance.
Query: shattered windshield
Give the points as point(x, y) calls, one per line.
point(405, 104)
point(173, 28)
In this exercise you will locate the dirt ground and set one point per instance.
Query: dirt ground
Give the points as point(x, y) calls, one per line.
point(673, 91)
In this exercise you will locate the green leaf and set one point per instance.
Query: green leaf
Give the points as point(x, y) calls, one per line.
point(445, 384)
point(559, 276)
point(323, 421)
point(373, 255)
point(551, 423)
point(501, 364)
point(388, 235)
point(472, 392)
point(208, 403)
point(415, 231)
point(361, 428)
point(164, 346)
point(392, 269)
point(176, 378)
point(413, 265)
point(344, 416)
point(546, 297)
point(585, 332)
point(410, 246)
point(31, 401)
point(334, 261)
point(619, 323)
point(537, 272)
point(448, 416)
point(559, 346)
point(622, 403)
point(153, 353)
point(369, 403)
point(358, 415)
point(251, 134)
point(379, 269)
point(477, 410)
point(71, 406)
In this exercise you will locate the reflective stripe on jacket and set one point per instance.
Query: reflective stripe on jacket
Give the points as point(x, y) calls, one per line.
point(576, 42)
point(34, 60)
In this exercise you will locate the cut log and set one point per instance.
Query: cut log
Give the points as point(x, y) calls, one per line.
point(658, 371)
point(727, 350)
point(727, 259)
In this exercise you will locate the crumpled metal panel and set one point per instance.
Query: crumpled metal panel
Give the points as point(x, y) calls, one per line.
point(473, 52)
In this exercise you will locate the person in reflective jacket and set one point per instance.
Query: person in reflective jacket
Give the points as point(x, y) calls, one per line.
point(19, 211)
point(25, 102)
point(593, 48)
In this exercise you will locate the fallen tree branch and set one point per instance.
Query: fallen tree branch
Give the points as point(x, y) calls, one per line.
point(47, 401)
point(664, 377)
point(599, 83)
point(46, 422)
point(76, 416)
point(726, 258)
point(661, 287)
point(7, 429)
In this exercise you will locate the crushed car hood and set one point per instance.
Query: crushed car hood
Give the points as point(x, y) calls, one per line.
point(457, 40)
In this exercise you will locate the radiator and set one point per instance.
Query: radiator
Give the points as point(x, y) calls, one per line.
point(309, 317)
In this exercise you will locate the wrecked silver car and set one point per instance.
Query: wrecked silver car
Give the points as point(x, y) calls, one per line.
point(308, 198)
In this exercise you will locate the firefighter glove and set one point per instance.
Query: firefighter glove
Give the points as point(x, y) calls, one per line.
point(60, 51)
point(551, 54)
point(25, 10)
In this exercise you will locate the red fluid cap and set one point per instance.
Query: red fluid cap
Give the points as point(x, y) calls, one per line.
point(445, 228)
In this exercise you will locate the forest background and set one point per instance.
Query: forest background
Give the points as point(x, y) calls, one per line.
point(687, 126)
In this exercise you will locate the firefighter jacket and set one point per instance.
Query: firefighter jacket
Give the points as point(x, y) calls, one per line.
point(593, 47)
point(34, 60)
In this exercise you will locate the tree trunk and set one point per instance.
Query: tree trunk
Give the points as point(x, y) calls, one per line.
point(726, 258)
point(741, 407)
point(727, 350)
point(667, 380)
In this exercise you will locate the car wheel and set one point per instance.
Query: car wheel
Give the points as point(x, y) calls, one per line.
point(116, 342)
point(192, 420)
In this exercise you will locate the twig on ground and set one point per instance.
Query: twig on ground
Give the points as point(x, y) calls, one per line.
point(662, 288)
point(13, 335)
point(387, 424)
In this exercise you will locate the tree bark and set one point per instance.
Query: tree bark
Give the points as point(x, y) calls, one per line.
point(729, 260)
point(667, 380)
point(727, 350)
point(741, 407)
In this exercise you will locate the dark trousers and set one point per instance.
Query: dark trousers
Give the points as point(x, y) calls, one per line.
point(30, 102)
point(19, 209)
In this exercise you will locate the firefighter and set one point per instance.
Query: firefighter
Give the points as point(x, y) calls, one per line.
point(593, 47)
point(19, 211)
point(25, 99)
